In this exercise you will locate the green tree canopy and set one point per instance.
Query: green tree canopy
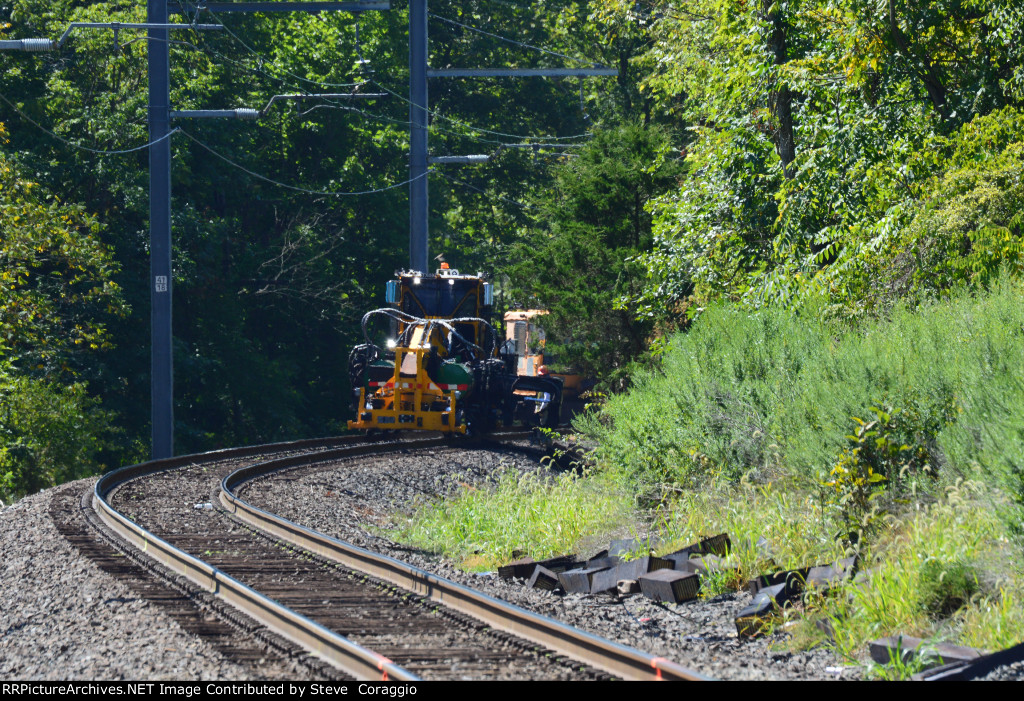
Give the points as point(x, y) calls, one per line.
point(579, 257)
point(56, 290)
point(821, 126)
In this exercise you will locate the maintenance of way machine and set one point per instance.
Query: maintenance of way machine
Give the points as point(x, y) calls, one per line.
point(443, 366)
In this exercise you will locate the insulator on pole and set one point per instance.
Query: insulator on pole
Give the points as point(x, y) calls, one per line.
point(34, 45)
point(476, 158)
point(246, 113)
point(38, 45)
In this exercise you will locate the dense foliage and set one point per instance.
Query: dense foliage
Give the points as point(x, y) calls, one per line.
point(840, 159)
point(823, 130)
point(56, 291)
point(754, 396)
point(270, 281)
point(580, 256)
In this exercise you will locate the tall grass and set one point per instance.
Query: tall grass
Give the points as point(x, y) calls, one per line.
point(903, 436)
point(938, 572)
point(798, 529)
point(988, 439)
point(530, 512)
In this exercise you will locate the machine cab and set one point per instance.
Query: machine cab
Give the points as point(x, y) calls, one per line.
point(464, 300)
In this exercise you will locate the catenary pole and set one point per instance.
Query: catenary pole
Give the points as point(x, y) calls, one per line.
point(418, 202)
point(161, 353)
point(162, 342)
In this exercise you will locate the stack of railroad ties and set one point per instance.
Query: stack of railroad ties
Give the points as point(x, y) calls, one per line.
point(676, 577)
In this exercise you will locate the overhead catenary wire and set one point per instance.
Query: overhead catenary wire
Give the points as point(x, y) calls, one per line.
point(258, 70)
point(508, 40)
point(271, 181)
point(514, 6)
point(405, 122)
point(438, 115)
point(264, 61)
point(213, 53)
point(115, 152)
point(456, 181)
point(396, 120)
point(179, 42)
point(434, 128)
point(98, 152)
point(403, 98)
point(277, 183)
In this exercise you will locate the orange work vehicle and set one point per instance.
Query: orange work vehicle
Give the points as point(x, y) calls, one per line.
point(524, 333)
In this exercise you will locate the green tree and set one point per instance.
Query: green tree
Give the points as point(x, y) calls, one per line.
point(820, 127)
point(56, 291)
point(579, 258)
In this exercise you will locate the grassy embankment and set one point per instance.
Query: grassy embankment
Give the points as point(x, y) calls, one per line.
point(903, 439)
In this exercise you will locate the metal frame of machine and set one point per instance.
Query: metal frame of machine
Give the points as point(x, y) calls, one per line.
point(524, 328)
point(444, 368)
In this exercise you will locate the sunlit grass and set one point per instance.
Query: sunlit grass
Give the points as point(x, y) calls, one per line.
point(928, 552)
point(533, 512)
point(793, 523)
point(958, 537)
point(910, 562)
point(996, 622)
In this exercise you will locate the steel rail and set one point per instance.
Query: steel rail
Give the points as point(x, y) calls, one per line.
point(326, 644)
point(620, 660)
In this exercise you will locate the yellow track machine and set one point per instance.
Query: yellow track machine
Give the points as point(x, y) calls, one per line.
point(443, 367)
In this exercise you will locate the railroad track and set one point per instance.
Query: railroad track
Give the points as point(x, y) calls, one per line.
point(367, 614)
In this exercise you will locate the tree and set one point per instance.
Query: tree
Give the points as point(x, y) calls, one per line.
point(57, 277)
point(56, 291)
point(579, 257)
point(861, 102)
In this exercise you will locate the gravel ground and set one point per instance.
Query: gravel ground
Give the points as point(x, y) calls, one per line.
point(432, 646)
point(61, 618)
point(353, 500)
point(1006, 673)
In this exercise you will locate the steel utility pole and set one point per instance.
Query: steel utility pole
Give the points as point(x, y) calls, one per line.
point(419, 156)
point(161, 353)
point(418, 188)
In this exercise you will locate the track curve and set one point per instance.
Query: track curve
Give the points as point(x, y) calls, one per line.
point(253, 573)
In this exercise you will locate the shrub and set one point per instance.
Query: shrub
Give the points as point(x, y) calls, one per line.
point(756, 395)
point(920, 570)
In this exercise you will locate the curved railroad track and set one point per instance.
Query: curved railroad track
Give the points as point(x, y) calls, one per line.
point(369, 615)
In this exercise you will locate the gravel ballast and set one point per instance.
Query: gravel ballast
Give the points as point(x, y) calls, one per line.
point(64, 619)
point(353, 500)
point(75, 609)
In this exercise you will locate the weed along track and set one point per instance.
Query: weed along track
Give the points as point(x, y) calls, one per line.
point(354, 500)
point(372, 616)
